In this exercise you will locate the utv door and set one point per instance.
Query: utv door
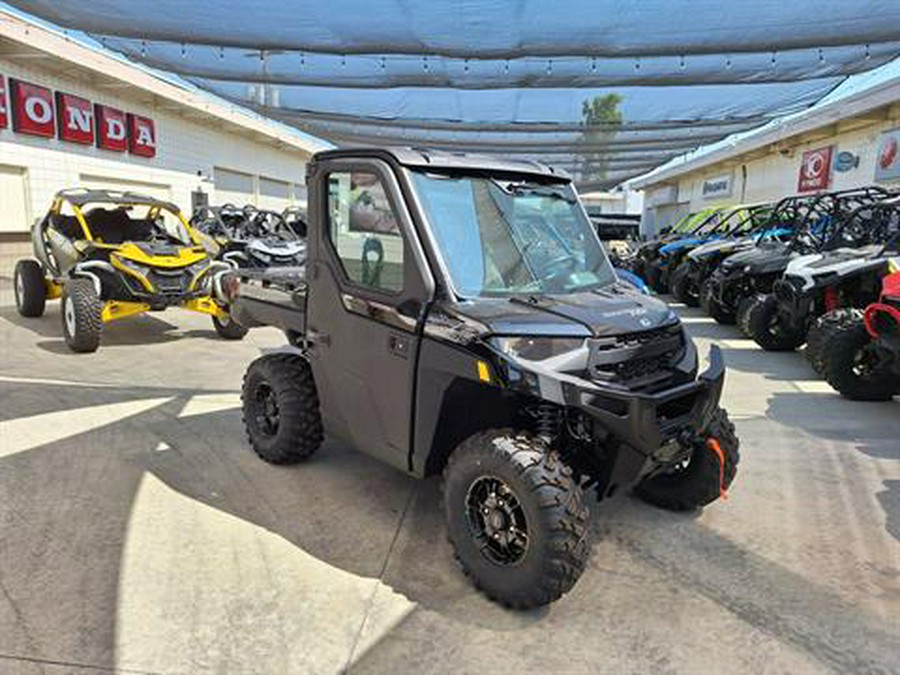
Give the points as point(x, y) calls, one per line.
point(368, 285)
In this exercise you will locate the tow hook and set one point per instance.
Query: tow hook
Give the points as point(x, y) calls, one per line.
point(713, 445)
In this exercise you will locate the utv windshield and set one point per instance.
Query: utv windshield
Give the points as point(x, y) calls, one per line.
point(500, 237)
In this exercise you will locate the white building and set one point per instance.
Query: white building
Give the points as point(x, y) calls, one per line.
point(197, 142)
point(849, 139)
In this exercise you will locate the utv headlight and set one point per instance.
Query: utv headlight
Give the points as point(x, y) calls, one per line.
point(536, 348)
point(197, 272)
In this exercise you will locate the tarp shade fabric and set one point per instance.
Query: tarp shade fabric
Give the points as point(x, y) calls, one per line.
point(505, 76)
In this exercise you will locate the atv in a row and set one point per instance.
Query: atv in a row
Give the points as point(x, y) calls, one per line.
point(249, 237)
point(110, 255)
point(817, 289)
point(741, 278)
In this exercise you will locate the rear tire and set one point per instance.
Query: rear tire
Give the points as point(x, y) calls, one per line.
point(30, 288)
point(821, 332)
point(844, 366)
point(82, 312)
point(229, 329)
point(280, 409)
point(701, 481)
point(516, 518)
point(767, 330)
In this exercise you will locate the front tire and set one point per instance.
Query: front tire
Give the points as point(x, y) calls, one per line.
point(767, 329)
point(703, 478)
point(742, 317)
point(82, 311)
point(719, 312)
point(847, 363)
point(516, 518)
point(229, 329)
point(280, 409)
point(30, 288)
point(654, 278)
point(680, 283)
point(821, 332)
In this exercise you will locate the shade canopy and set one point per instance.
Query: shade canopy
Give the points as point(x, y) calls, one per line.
point(606, 88)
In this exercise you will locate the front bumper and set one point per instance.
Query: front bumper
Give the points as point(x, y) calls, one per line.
point(648, 422)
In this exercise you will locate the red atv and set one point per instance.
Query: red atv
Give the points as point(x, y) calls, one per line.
point(861, 359)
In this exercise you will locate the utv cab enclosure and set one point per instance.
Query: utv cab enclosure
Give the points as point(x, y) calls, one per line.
point(458, 315)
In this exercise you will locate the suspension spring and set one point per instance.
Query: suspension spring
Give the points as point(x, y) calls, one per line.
point(548, 418)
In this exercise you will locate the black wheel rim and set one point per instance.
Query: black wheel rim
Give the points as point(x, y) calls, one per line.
point(265, 411)
point(865, 362)
point(497, 521)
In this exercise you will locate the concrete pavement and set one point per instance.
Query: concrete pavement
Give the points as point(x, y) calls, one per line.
point(138, 533)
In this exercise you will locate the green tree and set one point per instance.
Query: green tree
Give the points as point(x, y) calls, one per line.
point(601, 117)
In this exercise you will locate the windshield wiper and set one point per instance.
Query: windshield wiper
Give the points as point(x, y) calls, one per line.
point(521, 189)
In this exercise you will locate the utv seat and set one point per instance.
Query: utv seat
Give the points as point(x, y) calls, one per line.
point(113, 226)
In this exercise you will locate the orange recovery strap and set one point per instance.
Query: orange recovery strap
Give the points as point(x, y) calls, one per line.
point(716, 449)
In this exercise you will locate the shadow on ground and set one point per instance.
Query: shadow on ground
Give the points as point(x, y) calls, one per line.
point(67, 506)
point(146, 329)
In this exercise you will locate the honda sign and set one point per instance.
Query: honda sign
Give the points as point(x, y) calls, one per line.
point(75, 119)
point(32, 109)
point(141, 136)
point(112, 134)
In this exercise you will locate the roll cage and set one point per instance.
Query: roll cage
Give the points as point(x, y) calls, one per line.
point(111, 227)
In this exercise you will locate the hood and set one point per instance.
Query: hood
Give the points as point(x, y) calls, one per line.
point(761, 259)
point(681, 244)
point(839, 260)
point(160, 255)
point(277, 247)
point(721, 246)
point(616, 310)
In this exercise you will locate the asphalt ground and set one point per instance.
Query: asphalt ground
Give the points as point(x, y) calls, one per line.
point(139, 534)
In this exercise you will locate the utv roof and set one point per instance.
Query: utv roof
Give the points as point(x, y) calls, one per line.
point(427, 158)
point(82, 196)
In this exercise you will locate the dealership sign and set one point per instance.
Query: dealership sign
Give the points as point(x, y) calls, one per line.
point(111, 128)
point(719, 186)
point(887, 159)
point(36, 111)
point(4, 115)
point(815, 170)
point(76, 119)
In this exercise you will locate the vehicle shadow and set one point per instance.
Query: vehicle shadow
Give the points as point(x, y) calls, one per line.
point(62, 564)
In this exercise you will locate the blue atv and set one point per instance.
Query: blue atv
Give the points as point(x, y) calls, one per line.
point(721, 223)
point(688, 282)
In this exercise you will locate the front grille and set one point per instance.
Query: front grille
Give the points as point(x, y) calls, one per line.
point(170, 283)
point(637, 360)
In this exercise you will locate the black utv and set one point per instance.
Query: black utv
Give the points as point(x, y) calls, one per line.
point(458, 315)
point(741, 278)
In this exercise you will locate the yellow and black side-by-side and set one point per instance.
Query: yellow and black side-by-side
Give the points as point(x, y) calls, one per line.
point(109, 255)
